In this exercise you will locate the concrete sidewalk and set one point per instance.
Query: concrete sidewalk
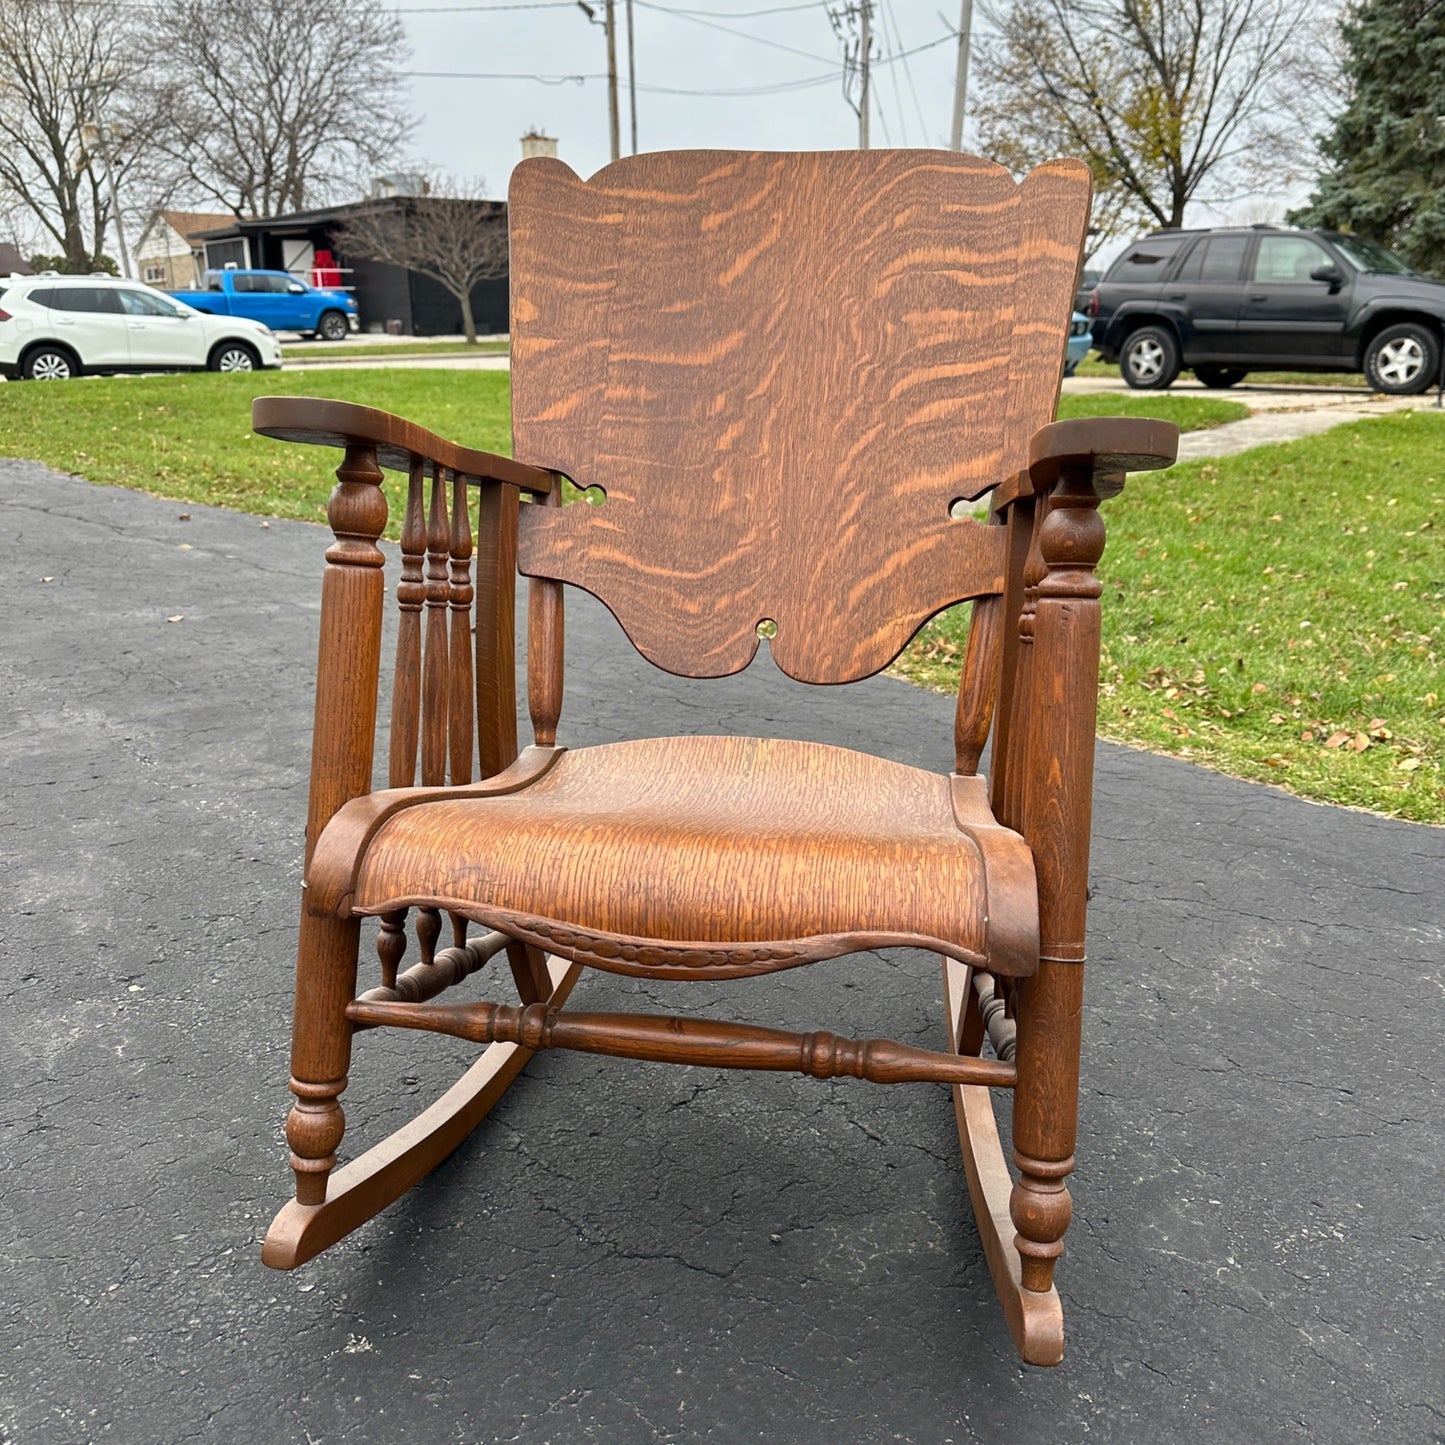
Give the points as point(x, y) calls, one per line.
point(632, 1253)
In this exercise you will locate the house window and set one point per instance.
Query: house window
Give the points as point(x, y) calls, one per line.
point(155, 272)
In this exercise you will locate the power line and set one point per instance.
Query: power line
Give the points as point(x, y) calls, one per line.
point(727, 30)
point(890, 25)
point(803, 84)
point(908, 73)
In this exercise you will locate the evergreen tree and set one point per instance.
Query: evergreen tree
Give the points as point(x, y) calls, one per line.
point(1385, 176)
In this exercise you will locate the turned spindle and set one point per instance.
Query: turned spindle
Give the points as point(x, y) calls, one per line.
point(434, 670)
point(461, 712)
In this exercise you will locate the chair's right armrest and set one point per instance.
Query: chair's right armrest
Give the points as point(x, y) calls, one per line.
point(1107, 447)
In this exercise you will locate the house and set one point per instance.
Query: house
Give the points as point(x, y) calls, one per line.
point(12, 260)
point(169, 255)
point(389, 298)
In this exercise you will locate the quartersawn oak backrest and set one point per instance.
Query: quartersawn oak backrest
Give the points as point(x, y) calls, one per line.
point(783, 370)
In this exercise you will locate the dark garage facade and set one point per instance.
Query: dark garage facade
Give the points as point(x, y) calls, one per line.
point(389, 298)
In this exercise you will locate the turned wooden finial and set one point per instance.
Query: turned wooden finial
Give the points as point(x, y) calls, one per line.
point(357, 510)
point(1071, 537)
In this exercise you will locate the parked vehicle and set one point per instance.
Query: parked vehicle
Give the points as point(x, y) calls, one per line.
point(1081, 338)
point(1088, 279)
point(278, 300)
point(55, 327)
point(1232, 300)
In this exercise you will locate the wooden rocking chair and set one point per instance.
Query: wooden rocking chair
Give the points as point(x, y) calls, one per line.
point(785, 373)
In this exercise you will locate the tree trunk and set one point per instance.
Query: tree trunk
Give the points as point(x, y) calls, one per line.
point(468, 324)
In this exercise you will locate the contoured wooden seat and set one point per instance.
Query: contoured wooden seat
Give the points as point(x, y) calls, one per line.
point(701, 857)
point(785, 375)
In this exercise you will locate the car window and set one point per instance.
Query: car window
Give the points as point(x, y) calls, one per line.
point(146, 303)
point(1369, 256)
point(1146, 260)
point(280, 284)
point(248, 285)
point(90, 299)
point(1215, 258)
point(1287, 258)
point(41, 296)
point(213, 283)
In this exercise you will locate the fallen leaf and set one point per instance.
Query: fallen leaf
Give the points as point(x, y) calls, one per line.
point(179, 617)
point(1336, 740)
point(1409, 765)
point(183, 516)
point(1359, 743)
point(265, 524)
point(1258, 688)
point(47, 579)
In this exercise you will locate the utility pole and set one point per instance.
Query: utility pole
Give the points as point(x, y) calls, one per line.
point(611, 13)
point(632, 76)
point(865, 44)
point(96, 134)
point(960, 79)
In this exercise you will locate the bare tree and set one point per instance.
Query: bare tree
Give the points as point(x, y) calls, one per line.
point(66, 67)
point(272, 104)
point(1157, 96)
point(458, 239)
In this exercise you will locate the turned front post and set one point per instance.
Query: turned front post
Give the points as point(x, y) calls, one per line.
point(1063, 680)
point(343, 736)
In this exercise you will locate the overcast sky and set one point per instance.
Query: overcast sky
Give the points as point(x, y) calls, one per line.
point(472, 126)
point(471, 69)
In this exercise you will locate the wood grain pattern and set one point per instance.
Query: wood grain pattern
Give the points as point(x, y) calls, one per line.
point(783, 370)
point(700, 843)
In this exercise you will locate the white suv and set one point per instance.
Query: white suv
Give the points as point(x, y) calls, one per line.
point(55, 327)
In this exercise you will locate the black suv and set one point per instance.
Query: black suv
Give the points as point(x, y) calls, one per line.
point(1239, 299)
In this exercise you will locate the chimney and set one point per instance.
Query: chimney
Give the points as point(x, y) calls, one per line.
point(534, 143)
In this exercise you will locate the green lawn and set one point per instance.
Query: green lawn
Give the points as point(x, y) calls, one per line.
point(189, 437)
point(1278, 615)
point(316, 350)
point(1275, 615)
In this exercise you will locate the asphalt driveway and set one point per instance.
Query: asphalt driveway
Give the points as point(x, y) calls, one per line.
point(628, 1252)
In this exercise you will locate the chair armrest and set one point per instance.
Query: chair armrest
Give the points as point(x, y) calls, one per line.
point(1106, 446)
point(396, 440)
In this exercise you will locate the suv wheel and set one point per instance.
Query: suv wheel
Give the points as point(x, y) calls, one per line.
point(1150, 359)
point(333, 327)
point(1218, 377)
point(1403, 359)
point(49, 363)
point(233, 356)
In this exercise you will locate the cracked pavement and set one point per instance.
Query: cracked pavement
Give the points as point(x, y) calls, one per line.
point(632, 1252)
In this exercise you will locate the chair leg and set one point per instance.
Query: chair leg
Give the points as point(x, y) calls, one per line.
point(320, 1049)
point(1035, 1320)
point(1046, 1106)
point(328, 1206)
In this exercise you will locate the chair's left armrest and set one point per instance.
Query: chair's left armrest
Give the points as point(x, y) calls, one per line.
point(396, 441)
point(1105, 446)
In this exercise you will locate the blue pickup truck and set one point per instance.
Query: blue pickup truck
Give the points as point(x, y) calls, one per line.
point(277, 300)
